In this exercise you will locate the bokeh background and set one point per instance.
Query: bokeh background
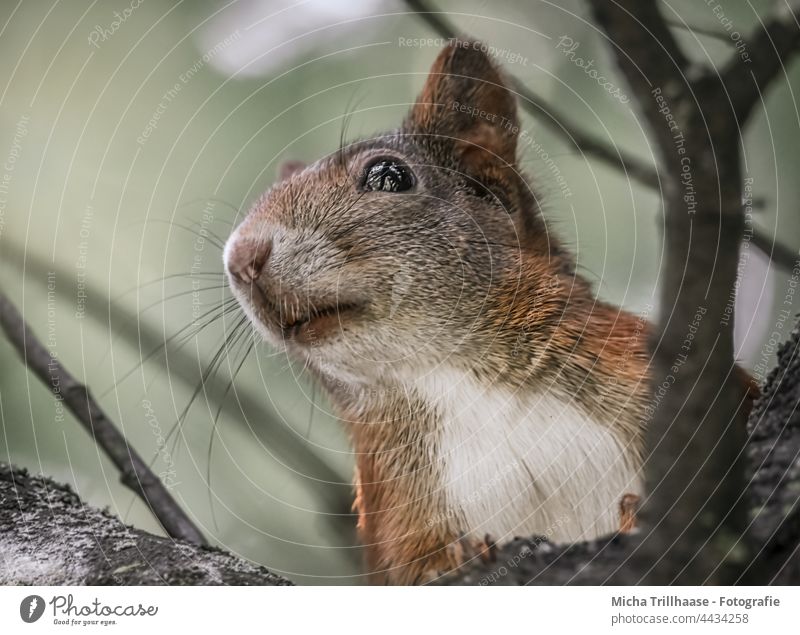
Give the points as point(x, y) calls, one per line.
point(134, 135)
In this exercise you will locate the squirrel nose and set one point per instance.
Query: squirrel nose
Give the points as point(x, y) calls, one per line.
point(247, 259)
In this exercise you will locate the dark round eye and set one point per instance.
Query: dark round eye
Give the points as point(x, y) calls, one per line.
point(388, 175)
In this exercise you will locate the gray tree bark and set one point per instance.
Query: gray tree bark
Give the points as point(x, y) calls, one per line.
point(49, 536)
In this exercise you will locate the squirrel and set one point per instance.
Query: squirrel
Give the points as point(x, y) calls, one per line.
point(487, 392)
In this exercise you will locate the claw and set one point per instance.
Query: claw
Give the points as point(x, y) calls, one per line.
point(628, 508)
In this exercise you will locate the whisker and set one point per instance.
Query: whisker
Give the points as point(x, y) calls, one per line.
point(217, 244)
point(248, 344)
point(347, 118)
point(209, 371)
point(189, 275)
point(311, 410)
point(213, 200)
point(212, 233)
point(222, 308)
point(172, 296)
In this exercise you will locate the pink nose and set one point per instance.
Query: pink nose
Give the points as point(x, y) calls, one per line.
point(247, 258)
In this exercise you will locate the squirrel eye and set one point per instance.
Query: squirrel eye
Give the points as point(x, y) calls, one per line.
point(388, 175)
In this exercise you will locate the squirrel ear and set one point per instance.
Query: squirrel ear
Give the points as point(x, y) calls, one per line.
point(466, 97)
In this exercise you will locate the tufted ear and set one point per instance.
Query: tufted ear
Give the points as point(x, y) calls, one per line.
point(466, 98)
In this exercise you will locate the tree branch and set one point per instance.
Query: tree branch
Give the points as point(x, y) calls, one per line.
point(134, 472)
point(773, 45)
point(715, 34)
point(777, 253)
point(49, 536)
point(646, 52)
point(695, 437)
point(773, 452)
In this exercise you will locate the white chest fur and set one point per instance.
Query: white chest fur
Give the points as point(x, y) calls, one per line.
point(517, 464)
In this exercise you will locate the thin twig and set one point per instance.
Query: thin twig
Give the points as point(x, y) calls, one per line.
point(776, 40)
point(777, 253)
point(700, 30)
point(133, 470)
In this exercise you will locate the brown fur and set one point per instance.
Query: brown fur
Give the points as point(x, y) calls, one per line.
point(483, 287)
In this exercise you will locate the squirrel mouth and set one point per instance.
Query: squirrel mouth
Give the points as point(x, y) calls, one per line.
point(316, 322)
point(304, 322)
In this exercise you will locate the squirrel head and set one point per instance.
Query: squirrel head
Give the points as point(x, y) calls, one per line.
point(397, 248)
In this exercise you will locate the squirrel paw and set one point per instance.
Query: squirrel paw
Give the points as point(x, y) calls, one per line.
point(628, 508)
point(466, 549)
point(461, 551)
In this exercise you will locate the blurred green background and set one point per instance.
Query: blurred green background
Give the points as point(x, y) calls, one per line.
point(132, 142)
